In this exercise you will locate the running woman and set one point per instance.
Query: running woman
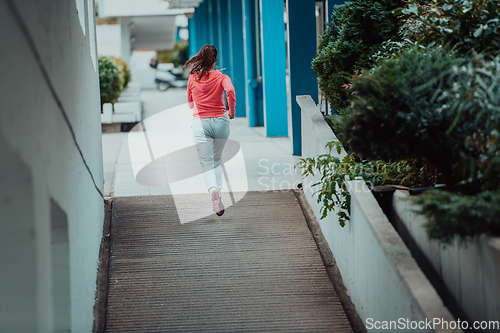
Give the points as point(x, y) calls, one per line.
point(210, 125)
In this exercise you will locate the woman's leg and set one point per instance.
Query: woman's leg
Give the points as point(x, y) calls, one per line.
point(201, 129)
point(220, 134)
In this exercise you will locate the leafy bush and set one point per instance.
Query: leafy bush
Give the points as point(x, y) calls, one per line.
point(435, 108)
point(435, 104)
point(338, 121)
point(451, 215)
point(334, 171)
point(110, 82)
point(396, 113)
point(474, 103)
point(355, 33)
point(124, 70)
point(463, 26)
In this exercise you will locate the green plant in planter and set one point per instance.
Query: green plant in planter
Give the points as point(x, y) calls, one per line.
point(451, 215)
point(396, 112)
point(110, 82)
point(355, 33)
point(334, 171)
point(464, 26)
point(433, 108)
point(338, 121)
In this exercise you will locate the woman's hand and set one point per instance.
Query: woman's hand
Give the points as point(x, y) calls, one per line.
point(231, 116)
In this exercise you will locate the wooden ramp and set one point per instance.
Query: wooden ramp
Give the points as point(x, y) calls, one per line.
point(255, 269)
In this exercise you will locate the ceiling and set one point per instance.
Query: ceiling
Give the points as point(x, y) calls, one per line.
point(152, 22)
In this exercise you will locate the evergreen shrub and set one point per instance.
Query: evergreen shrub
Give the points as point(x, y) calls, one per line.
point(355, 33)
point(110, 81)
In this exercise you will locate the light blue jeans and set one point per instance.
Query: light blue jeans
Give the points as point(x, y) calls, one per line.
point(210, 136)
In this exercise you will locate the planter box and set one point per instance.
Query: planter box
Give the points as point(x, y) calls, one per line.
point(383, 280)
point(467, 276)
point(126, 112)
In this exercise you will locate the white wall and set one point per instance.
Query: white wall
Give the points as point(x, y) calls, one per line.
point(381, 277)
point(51, 207)
point(109, 40)
point(120, 8)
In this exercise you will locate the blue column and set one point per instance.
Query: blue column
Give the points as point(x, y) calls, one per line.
point(193, 37)
point(224, 52)
point(274, 67)
point(215, 26)
point(301, 52)
point(249, 54)
point(203, 27)
point(236, 56)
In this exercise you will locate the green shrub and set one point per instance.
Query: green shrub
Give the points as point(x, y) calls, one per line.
point(110, 82)
point(355, 33)
point(124, 70)
point(463, 26)
point(334, 171)
point(450, 215)
point(475, 128)
point(396, 113)
point(338, 121)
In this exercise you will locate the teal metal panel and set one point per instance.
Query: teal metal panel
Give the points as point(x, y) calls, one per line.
point(274, 67)
point(301, 51)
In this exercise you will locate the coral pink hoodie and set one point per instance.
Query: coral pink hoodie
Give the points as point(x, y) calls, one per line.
point(205, 96)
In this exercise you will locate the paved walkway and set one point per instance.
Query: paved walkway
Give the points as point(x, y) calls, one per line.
point(266, 164)
point(175, 266)
point(255, 269)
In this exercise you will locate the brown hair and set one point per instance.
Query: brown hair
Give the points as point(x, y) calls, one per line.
point(202, 61)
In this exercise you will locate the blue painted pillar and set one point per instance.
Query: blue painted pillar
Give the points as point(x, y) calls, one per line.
point(301, 52)
point(212, 24)
point(274, 67)
point(236, 56)
point(224, 52)
point(193, 36)
point(249, 60)
point(203, 27)
point(215, 26)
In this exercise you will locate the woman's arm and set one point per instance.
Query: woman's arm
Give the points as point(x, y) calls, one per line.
point(230, 95)
point(189, 95)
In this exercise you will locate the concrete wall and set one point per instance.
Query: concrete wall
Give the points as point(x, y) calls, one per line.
point(109, 40)
point(51, 204)
point(381, 277)
point(468, 274)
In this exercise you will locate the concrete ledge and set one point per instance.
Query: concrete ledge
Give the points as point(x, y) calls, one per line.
point(124, 112)
point(397, 286)
point(378, 271)
point(455, 268)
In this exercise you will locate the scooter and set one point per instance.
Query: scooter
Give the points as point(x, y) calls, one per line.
point(167, 76)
